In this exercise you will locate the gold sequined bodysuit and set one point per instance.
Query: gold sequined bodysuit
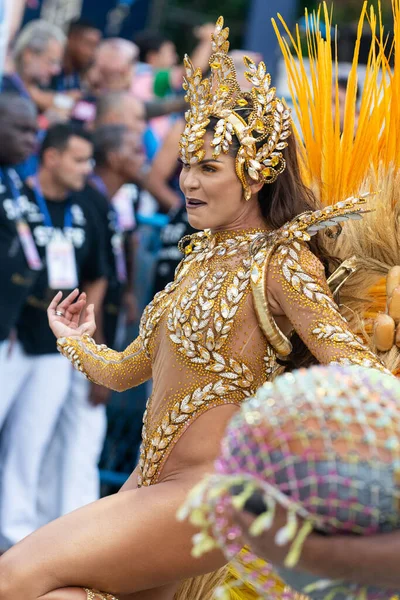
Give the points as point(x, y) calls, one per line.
point(207, 340)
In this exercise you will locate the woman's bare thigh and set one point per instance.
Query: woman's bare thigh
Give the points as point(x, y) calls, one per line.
point(129, 544)
point(163, 593)
point(166, 592)
point(122, 544)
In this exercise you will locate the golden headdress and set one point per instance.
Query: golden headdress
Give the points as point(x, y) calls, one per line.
point(262, 134)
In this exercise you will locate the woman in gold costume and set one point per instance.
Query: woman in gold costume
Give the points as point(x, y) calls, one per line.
point(249, 280)
point(338, 158)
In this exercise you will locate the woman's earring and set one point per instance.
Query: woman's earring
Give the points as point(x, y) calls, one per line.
point(247, 194)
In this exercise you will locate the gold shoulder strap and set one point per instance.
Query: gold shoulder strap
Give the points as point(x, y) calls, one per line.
point(258, 279)
point(299, 230)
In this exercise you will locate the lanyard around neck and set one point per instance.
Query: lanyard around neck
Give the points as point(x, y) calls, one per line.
point(41, 201)
point(98, 183)
point(11, 178)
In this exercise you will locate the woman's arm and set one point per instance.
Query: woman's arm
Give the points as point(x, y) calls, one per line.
point(297, 289)
point(117, 371)
point(163, 168)
point(45, 100)
point(366, 560)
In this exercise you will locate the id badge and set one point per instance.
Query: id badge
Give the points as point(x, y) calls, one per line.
point(123, 204)
point(28, 245)
point(120, 261)
point(61, 265)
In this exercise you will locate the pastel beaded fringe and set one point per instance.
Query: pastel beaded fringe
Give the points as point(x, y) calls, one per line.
point(329, 428)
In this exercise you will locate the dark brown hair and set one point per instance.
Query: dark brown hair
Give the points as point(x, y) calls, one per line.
point(281, 202)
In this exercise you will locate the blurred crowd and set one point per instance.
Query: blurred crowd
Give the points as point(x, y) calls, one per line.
point(89, 199)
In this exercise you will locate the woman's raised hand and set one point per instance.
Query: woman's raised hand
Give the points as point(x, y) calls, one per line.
point(71, 317)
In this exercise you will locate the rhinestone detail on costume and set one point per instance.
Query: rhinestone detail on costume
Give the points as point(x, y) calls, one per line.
point(206, 319)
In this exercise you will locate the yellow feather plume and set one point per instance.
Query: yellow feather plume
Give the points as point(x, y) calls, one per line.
point(335, 161)
point(338, 162)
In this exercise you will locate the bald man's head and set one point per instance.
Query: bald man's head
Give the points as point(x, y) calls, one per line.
point(121, 108)
point(119, 48)
point(18, 129)
point(114, 66)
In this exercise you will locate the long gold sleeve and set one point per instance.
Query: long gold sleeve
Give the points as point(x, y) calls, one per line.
point(116, 370)
point(296, 281)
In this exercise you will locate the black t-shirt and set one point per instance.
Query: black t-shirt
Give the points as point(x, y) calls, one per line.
point(113, 238)
point(16, 278)
point(65, 82)
point(170, 256)
point(88, 243)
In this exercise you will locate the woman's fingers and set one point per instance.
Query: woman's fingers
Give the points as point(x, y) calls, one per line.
point(76, 307)
point(89, 322)
point(74, 311)
point(74, 314)
point(89, 315)
point(53, 304)
point(72, 308)
point(70, 299)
